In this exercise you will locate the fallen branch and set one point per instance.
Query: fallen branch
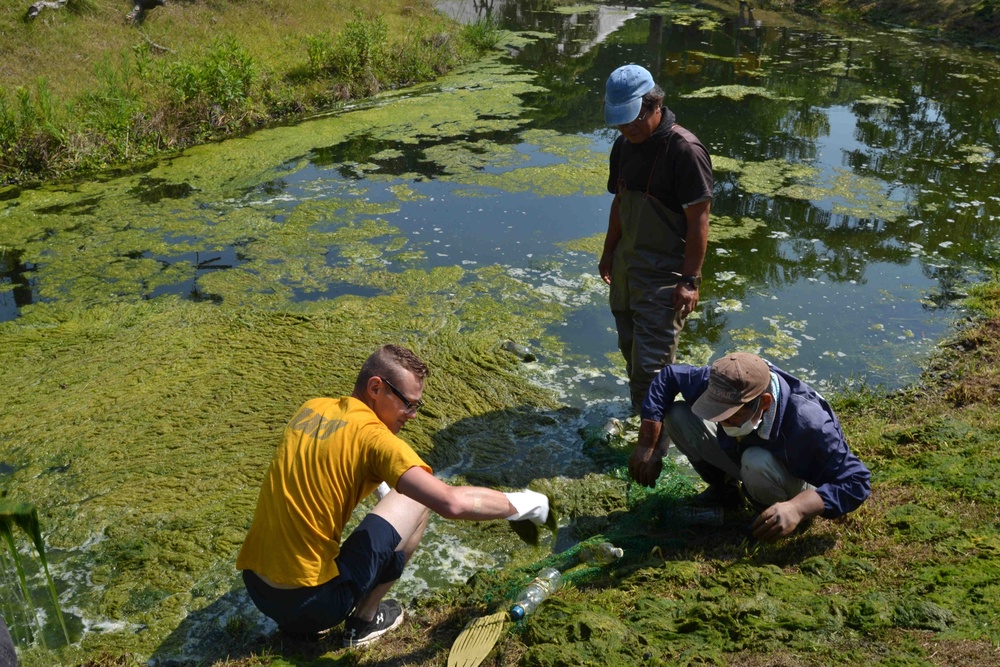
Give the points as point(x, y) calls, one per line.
point(36, 9)
point(153, 46)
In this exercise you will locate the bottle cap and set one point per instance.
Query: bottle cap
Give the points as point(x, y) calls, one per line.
point(516, 612)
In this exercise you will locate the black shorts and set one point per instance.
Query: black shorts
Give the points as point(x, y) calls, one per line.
point(367, 558)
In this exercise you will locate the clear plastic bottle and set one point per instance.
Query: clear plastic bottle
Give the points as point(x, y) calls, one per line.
point(545, 584)
point(601, 554)
point(613, 429)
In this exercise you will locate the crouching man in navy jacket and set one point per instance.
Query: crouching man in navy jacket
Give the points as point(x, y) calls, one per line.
point(744, 420)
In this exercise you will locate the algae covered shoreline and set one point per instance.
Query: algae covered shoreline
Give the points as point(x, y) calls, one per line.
point(909, 579)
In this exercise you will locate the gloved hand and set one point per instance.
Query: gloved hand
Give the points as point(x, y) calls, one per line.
point(530, 505)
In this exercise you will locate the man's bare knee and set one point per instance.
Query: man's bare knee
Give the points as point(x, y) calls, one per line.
point(404, 514)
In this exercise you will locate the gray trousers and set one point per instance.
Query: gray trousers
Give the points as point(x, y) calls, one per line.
point(765, 478)
point(647, 337)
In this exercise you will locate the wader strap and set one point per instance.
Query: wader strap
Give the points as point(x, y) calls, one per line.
point(622, 186)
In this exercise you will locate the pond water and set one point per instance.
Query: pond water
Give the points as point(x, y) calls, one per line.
point(856, 189)
point(856, 196)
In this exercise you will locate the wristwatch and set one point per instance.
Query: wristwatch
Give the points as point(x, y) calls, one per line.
point(693, 281)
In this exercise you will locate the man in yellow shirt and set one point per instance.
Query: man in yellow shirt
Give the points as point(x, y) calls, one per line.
point(333, 454)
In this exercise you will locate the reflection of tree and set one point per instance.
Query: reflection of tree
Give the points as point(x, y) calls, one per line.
point(914, 124)
point(911, 108)
point(15, 271)
point(484, 8)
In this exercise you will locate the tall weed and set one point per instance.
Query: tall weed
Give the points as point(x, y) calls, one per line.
point(32, 131)
point(359, 53)
point(114, 113)
point(8, 123)
point(25, 517)
point(364, 61)
point(483, 35)
point(224, 78)
point(319, 50)
point(112, 106)
point(425, 53)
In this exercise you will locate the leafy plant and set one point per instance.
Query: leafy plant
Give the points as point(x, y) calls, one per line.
point(32, 129)
point(359, 52)
point(224, 78)
point(113, 108)
point(484, 34)
point(25, 517)
point(319, 49)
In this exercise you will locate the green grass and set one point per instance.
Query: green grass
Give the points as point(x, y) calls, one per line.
point(82, 91)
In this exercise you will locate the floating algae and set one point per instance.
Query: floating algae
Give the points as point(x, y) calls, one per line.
point(978, 154)
point(767, 178)
point(159, 395)
point(737, 93)
point(876, 100)
point(724, 228)
point(864, 197)
point(576, 9)
point(139, 444)
point(685, 15)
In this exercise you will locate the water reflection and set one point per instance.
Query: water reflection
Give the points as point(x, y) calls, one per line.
point(887, 129)
point(15, 291)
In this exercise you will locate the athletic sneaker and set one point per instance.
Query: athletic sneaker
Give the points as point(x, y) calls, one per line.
point(359, 633)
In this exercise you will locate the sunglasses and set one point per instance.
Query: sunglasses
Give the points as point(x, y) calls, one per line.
point(411, 406)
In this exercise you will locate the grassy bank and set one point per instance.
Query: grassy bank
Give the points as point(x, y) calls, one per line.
point(82, 89)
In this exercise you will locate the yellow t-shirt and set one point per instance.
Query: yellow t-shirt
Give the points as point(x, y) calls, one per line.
point(333, 453)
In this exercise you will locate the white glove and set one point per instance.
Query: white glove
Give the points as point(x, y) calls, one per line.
point(530, 505)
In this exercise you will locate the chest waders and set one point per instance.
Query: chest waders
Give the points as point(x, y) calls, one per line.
point(645, 270)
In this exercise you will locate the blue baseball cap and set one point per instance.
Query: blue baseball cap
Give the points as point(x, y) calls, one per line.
point(623, 93)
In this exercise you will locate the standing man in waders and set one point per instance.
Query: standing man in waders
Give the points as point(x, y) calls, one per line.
point(661, 177)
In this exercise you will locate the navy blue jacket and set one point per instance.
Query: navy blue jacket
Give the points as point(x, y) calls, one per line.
point(806, 435)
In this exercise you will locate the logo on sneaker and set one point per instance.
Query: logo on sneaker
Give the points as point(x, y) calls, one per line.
point(358, 632)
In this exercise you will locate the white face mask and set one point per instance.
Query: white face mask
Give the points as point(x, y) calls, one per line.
point(746, 428)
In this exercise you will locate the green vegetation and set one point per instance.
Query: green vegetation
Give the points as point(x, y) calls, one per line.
point(908, 579)
point(25, 518)
point(83, 92)
point(142, 427)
